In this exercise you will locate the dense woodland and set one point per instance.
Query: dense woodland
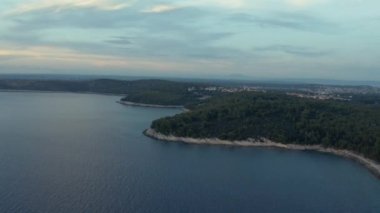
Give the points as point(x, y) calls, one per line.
point(281, 118)
point(163, 93)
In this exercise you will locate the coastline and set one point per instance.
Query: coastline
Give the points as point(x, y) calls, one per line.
point(127, 103)
point(61, 91)
point(372, 166)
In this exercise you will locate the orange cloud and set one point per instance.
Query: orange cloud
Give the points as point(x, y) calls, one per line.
point(53, 57)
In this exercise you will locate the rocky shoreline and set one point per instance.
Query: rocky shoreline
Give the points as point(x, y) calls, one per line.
point(373, 166)
point(127, 103)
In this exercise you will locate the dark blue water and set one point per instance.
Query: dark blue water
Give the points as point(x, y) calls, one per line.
point(85, 153)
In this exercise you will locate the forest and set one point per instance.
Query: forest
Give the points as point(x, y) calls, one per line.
point(281, 118)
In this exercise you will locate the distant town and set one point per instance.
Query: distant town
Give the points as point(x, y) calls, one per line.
point(320, 92)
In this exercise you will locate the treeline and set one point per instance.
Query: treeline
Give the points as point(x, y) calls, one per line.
point(162, 98)
point(164, 93)
point(96, 86)
point(141, 91)
point(281, 118)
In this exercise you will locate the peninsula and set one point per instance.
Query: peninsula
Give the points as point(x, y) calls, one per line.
point(128, 103)
point(278, 120)
point(345, 122)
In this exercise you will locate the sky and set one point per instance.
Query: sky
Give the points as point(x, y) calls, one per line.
point(324, 39)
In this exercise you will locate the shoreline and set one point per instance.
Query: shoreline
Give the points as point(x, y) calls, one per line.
point(128, 103)
point(372, 166)
point(62, 91)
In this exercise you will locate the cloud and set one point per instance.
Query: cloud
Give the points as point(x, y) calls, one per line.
point(293, 50)
point(228, 4)
point(53, 57)
point(119, 40)
point(225, 4)
point(110, 20)
point(60, 5)
point(162, 8)
point(189, 34)
point(173, 42)
point(74, 18)
point(294, 21)
point(140, 34)
point(303, 3)
point(48, 53)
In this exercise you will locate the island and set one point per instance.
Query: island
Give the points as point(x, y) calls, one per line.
point(279, 120)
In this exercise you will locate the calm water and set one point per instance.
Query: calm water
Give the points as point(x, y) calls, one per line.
point(85, 153)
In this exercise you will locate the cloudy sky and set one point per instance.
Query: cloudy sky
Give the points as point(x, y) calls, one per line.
point(330, 39)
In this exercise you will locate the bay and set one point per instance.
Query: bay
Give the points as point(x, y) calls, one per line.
point(64, 152)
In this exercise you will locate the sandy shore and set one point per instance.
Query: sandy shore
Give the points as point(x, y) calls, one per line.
point(373, 166)
point(149, 105)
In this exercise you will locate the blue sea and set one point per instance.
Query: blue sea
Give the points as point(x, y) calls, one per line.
point(63, 152)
